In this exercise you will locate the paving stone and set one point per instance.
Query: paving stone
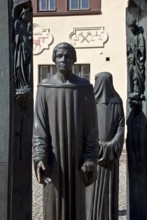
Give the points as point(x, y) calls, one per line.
point(122, 187)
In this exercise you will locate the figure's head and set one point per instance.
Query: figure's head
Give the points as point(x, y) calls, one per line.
point(26, 14)
point(132, 25)
point(104, 90)
point(64, 56)
point(104, 79)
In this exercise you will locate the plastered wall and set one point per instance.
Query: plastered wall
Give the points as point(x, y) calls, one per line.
point(113, 20)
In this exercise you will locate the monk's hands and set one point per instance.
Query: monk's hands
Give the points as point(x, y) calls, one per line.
point(89, 172)
point(42, 173)
point(88, 166)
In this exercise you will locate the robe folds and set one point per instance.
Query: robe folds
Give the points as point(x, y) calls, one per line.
point(136, 147)
point(103, 193)
point(65, 135)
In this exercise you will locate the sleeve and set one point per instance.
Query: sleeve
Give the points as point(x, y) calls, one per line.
point(41, 134)
point(110, 151)
point(90, 127)
point(139, 53)
point(129, 50)
point(141, 45)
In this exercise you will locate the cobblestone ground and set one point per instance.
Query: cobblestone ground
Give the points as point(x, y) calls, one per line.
point(122, 187)
point(37, 200)
point(37, 193)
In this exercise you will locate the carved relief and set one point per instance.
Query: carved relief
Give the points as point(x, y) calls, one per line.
point(136, 144)
point(22, 108)
point(88, 37)
point(42, 39)
point(23, 54)
point(136, 61)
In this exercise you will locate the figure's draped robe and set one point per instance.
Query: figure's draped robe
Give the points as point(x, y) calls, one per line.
point(102, 196)
point(137, 166)
point(103, 203)
point(65, 135)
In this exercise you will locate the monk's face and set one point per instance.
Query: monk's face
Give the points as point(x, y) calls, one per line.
point(64, 59)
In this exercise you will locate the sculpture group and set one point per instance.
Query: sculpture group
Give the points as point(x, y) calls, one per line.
point(79, 135)
point(77, 142)
point(79, 130)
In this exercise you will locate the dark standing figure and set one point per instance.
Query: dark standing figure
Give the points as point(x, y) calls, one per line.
point(137, 163)
point(136, 61)
point(104, 192)
point(65, 138)
point(23, 51)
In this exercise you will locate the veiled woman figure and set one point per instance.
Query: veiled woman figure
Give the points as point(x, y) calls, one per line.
point(23, 51)
point(104, 192)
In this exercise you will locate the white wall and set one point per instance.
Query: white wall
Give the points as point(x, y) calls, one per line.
point(113, 19)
